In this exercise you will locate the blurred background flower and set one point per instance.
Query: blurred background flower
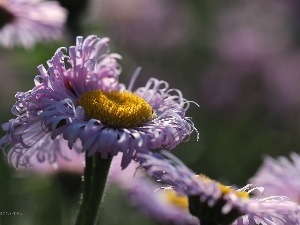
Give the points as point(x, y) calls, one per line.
point(279, 176)
point(215, 203)
point(27, 22)
point(145, 25)
point(238, 60)
point(146, 196)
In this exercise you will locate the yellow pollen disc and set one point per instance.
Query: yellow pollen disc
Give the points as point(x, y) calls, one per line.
point(225, 189)
point(174, 199)
point(117, 109)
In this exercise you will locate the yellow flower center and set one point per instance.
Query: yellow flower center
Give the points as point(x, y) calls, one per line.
point(117, 109)
point(174, 199)
point(183, 202)
point(225, 189)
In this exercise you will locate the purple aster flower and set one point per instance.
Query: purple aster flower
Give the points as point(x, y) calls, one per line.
point(79, 98)
point(24, 22)
point(163, 206)
point(214, 203)
point(280, 176)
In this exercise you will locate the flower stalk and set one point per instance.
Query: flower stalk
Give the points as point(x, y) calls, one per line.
point(94, 182)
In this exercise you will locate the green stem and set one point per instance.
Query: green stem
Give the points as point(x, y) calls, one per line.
point(94, 182)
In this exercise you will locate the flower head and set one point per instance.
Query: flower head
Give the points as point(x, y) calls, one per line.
point(24, 22)
point(79, 97)
point(163, 206)
point(214, 203)
point(280, 176)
